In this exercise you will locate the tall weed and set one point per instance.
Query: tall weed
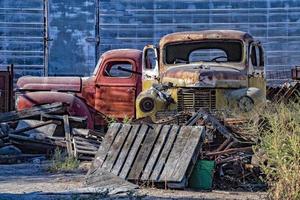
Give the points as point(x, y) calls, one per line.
point(279, 139)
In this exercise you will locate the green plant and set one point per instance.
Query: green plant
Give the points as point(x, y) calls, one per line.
point(127, 120)
point(62, 162)
point(110, 120)
point(279, 136)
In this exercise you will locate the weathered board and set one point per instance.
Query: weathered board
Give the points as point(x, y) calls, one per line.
point(149, 153)
point(32, 112)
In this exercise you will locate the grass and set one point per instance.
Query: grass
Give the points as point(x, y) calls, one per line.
point(63, 163)
point(278, 133)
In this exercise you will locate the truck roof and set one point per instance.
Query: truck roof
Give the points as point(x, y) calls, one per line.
point(202, 35)
point(134, 54)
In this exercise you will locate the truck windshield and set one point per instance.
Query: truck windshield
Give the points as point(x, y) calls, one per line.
point(204, 51)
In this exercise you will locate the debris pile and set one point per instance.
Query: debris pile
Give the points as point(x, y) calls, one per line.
point(40, 130)
point(163, 154)
point(231, 150)
point(144, 153)
point(284, 93)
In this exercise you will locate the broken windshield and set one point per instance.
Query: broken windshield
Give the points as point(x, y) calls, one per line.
point(204, 51)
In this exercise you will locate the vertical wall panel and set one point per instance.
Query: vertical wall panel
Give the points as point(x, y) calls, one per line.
point(72, 37)
point(134, 23)
point(22, 32)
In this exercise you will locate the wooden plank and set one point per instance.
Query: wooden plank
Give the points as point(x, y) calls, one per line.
point(104, 147)
point(125, 150)
point(164, 154)
point(159, 145)
point(187, 154)
point(88, 140)
point(95, 144)
point(87, 132)
point(107, 181)
point(143, 155)
point(112, 154)
point(24, 139)
point(59, 117)
point(68, 135)
point(75, 148)
point(29, 125)
point(86, 152)
point(85, 148)
point(31, 112)
point(175, 152)
point(134, 150)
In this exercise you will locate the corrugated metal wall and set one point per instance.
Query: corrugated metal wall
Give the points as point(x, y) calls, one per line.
point(73, 29)
point(22, 32)
point(72, 37)
point(127, 23)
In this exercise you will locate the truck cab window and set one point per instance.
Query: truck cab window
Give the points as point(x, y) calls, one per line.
point(118, 69)
point(208, 55)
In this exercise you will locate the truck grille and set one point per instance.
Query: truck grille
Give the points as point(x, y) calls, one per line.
point(190, 99)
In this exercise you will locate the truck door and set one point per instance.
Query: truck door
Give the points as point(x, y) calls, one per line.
point(256, 75)
point(116, 89)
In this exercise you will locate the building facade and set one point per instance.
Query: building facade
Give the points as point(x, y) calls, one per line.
point(59, 37)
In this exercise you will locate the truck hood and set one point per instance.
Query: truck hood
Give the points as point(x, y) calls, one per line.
point(192, 75)
point(65, 84)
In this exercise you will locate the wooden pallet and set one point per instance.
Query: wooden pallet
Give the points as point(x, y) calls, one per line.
point(150, 153)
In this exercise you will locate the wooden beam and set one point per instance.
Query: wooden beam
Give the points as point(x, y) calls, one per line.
point(34, 127)
point(31, 112)
point(68, 135)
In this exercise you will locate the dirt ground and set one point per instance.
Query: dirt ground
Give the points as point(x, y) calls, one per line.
point(32, 181)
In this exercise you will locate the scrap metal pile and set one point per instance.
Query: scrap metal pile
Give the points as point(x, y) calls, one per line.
point(289, 91)
point(231, 149)
point(40, 130)
point(143, 153)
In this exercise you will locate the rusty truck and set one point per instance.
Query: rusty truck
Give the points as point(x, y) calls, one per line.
point(213, 70)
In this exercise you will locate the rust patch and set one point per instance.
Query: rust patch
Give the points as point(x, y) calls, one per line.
point(202, 35)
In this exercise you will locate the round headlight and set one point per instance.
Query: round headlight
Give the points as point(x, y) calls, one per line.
point(246, 104)
point(147, 104)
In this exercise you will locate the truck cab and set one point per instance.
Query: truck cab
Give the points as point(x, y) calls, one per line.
point(213, 70)
point(111, 91)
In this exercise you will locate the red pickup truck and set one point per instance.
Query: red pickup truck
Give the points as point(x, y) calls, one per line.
point(111, 90)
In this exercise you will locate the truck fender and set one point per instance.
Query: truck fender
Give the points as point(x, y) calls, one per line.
point(245, 98)
point(77, 107)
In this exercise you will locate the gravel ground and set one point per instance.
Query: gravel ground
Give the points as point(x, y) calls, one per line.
point(32, 181)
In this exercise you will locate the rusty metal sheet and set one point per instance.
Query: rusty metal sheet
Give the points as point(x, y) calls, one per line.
point(216, 75)
point(72, 84)
point(166, 151)
point(201, 35)
point(116, 101)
